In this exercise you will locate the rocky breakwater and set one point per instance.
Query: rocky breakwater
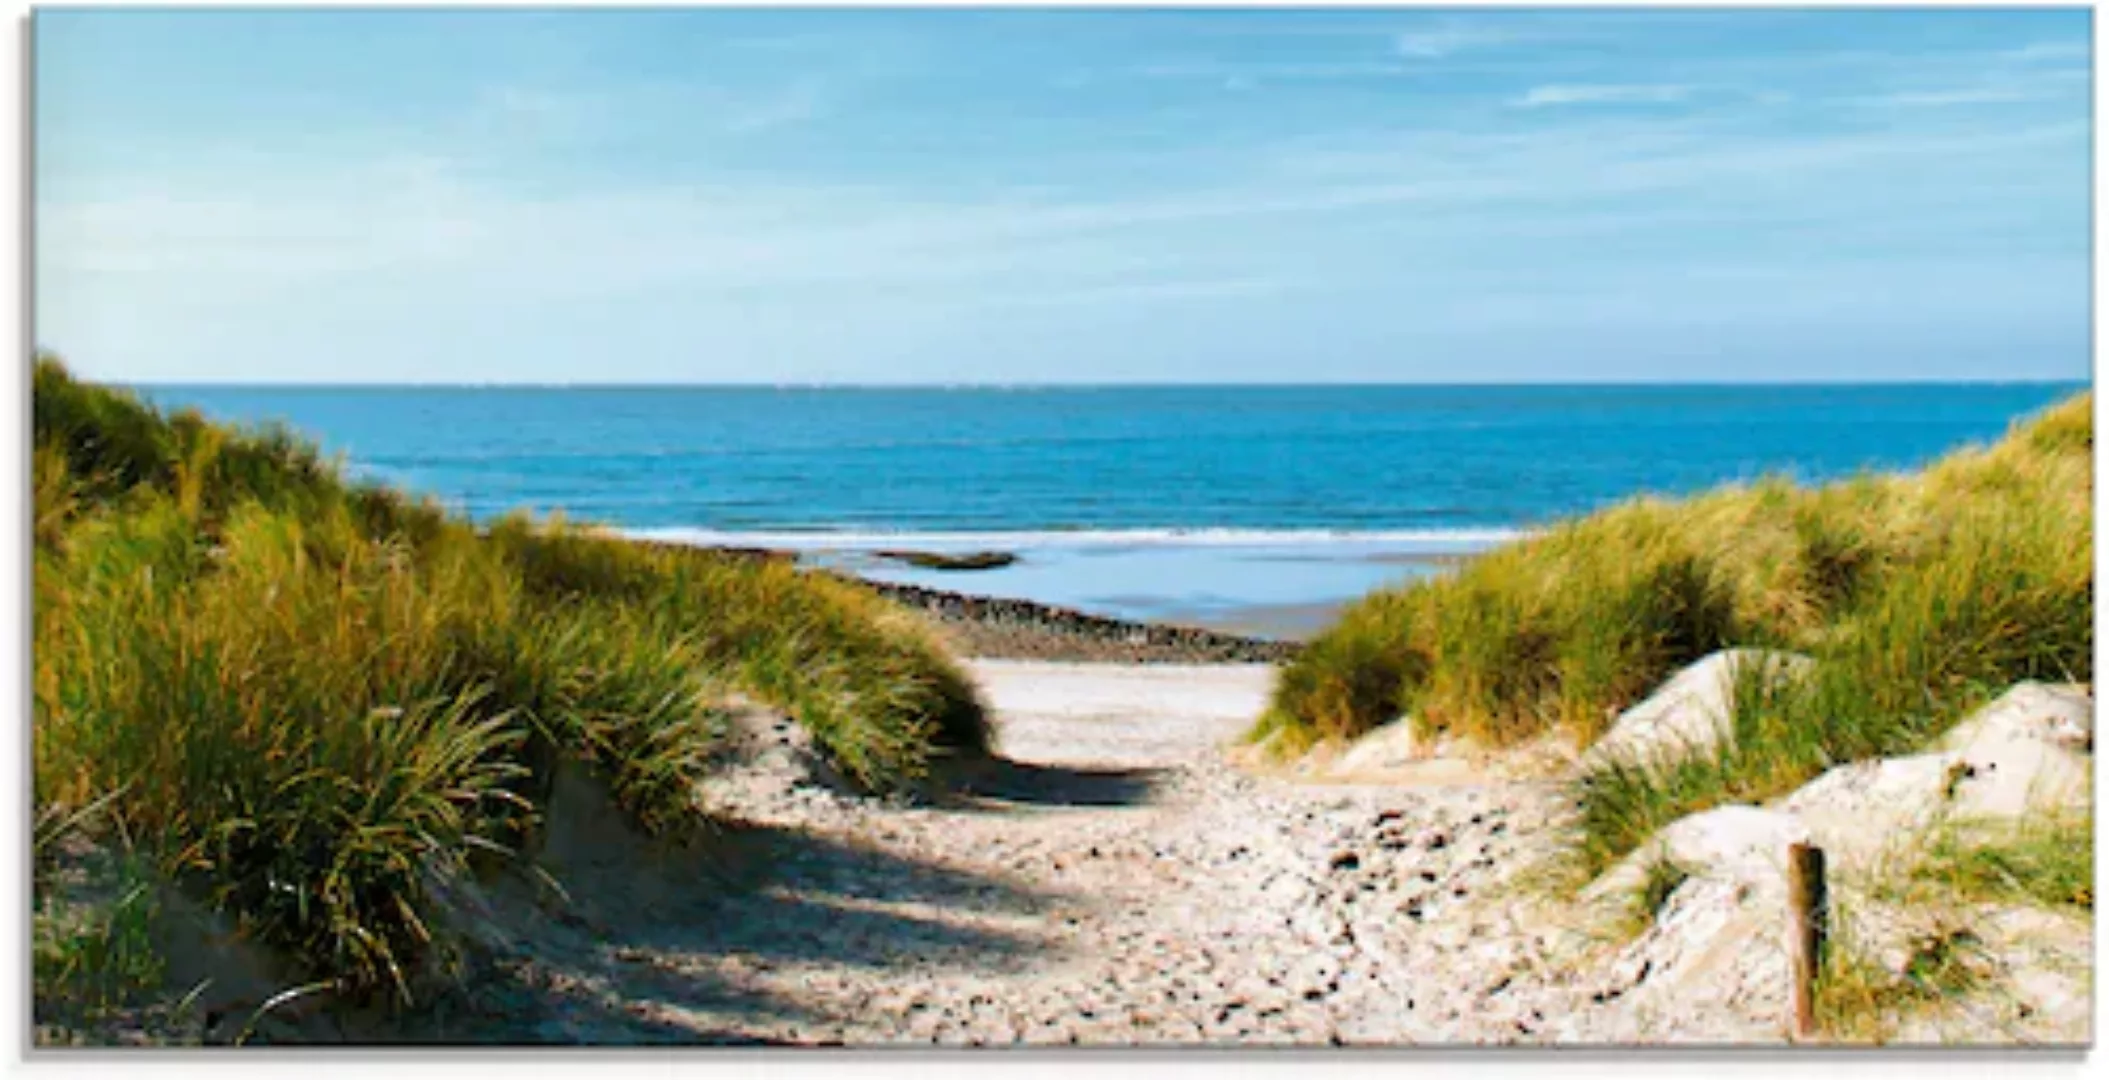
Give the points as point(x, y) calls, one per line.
point(1003, 628)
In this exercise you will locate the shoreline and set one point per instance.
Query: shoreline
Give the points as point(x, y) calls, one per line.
point(1004, 628)
point(1001, 628)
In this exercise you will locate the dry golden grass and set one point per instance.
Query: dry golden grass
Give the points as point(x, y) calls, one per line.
point(1919, 595)
point(313, 699)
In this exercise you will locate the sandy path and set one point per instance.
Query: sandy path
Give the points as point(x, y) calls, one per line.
point(1111, 881)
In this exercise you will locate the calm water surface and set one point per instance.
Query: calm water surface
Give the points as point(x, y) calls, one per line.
point(1198, 502)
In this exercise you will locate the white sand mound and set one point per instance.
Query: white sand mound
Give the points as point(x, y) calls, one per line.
point(2010, 758)
point(1393, 746)
point(2031, 747)
point(1740, 843)
point(1712, 966)
point(1689, 715)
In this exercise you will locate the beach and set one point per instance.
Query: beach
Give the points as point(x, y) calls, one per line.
point(1108, 879)
point(774, 798)
point(1120, 875)
point(1044, 528)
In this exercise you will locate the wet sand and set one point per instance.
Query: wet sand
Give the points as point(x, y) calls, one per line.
point(1273, 622)
point(1279, 589)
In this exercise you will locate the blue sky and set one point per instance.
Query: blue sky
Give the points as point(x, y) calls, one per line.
point(1036, 196)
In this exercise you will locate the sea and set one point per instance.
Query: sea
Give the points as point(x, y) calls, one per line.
point(1250, 508)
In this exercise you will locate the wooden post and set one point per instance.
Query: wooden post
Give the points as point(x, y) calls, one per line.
point(1808, 924)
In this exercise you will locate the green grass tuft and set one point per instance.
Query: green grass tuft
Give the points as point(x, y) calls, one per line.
point(2045, 861)
point(1919, 596)
point(1660, 880)
point(312, 700)
point(1857, 1000)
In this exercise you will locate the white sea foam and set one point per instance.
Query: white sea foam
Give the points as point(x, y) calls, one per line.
point(1430, 540)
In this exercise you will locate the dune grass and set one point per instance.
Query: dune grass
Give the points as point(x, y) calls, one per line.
point(1660, 879)
point(91, 956)
point(1920, 596)
point(2048, 862)
point(312, 700)
point(1860, 1000)
point(2045, 862)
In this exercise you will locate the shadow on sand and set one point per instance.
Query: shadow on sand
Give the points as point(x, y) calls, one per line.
point(677, 944)
point(1000, 780)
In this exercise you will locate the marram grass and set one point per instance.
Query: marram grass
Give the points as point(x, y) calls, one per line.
point(312, 700)
point(1920, 596)
point(2047, 861)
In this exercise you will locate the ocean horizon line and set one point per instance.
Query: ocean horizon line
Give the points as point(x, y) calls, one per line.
point(761, 386)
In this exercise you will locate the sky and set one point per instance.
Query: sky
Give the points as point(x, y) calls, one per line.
point(938, 196)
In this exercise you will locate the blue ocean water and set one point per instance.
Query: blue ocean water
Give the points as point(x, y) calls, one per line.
point(1190, 501)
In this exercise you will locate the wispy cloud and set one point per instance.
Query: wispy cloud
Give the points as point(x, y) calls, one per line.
point(773, 208)
point(1982, 95)
point(2049, 50)
point(1996, 88)
point(1603, 94)
point(1132, 291)
point(415, 216)
point(520, 116)
point(1437, 42)
point(1248, 72)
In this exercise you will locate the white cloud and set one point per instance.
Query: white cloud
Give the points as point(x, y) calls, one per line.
point(2049, 50)
point(284, 249)
point(1447, 40)
point(1312, 72)
point(1602, 94)
point(1129, 292)
point(1994, 89)
point(415, 220)
point(1981, 95)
